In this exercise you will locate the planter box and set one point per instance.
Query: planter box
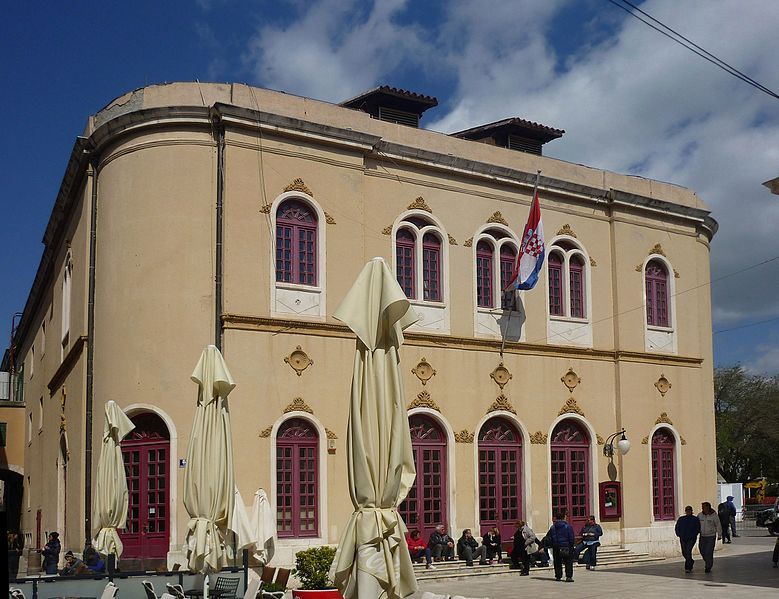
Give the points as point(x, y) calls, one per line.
point(323, 594)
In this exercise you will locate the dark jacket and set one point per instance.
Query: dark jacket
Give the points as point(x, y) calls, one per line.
point(51, 556)
point(437, 538)
point(492, 543)
point(591, 533)
point(688, 528)
point(561, 534)
point(464, 542)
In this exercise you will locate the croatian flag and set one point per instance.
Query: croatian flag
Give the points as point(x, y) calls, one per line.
point(532, 251)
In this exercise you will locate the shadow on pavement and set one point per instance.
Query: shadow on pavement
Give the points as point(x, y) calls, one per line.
point(751, 569)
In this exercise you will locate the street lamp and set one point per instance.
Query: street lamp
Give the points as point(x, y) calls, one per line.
point(623, 445)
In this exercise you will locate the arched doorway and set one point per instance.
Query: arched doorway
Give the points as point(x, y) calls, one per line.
point(146, 453)
point(570, 465)
point(425, 506)
point(500, 468)
point(663, 495)
point(297, 479)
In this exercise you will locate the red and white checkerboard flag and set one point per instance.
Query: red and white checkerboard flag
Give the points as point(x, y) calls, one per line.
point(532, 251)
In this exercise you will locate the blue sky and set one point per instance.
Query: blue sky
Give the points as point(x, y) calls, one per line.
point(629, 99)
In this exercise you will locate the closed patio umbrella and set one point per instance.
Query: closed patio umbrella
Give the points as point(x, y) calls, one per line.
point(263, 524)
point(372, 559)
point(209, 482)
point(109, 510)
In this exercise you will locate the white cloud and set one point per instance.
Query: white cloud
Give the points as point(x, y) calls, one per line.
point(634, 102)
point(766, 361)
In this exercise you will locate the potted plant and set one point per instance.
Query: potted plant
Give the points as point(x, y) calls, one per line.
point(312, 567)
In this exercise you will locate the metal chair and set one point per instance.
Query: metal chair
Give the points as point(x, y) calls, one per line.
point(282, 577)
point(149, 588)
point(176, 590)
point(228, 586)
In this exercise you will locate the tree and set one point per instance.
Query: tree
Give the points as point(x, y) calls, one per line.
point(746, 408)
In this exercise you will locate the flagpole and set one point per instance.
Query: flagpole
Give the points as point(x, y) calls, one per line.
point(514, 291)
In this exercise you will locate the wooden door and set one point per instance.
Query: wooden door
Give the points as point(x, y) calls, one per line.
point(500, 468)
point(570, 466)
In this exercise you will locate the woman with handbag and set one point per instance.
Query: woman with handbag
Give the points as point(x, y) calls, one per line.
point(591, 534)
point(561, 535)
point(525, 543)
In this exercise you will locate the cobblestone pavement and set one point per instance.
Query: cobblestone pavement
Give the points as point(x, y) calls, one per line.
point(741, 569)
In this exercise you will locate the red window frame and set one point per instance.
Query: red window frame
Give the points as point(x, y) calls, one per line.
point(500, 476)
point(508, 260)
point(297, 479)
point(663, 487)
point(576, 287)
point(431, 267)
point(405, 261)
point(570, 469)
point(296, 243)
point(555, 270)
point(484, 254)
point(425, 505)
point(657, 308)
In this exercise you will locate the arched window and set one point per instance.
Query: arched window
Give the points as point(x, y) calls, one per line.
point(296, 243)
point(146, 453)
point(567, 271)
point(570, 452)
point(656, 280)
point(425, 505)
point(297, 479)
point(500, 486)
point(663, 495)
point(494, 269)
point(418, 239)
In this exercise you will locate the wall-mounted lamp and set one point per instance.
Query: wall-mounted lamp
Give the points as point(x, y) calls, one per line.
point(623, 445)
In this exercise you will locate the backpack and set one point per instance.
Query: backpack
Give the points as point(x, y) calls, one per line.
point(723, 509)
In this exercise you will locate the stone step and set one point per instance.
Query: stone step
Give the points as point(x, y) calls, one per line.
point(609, 557)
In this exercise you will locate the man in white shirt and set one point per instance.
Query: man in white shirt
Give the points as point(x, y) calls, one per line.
point(711, 530)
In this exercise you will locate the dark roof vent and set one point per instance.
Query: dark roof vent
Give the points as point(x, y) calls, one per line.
point(514, 134)
point(392, 104)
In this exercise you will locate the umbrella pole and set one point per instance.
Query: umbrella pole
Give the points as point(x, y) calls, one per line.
point(245, 555)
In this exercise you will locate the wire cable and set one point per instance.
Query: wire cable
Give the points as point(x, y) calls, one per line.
point(692, 47)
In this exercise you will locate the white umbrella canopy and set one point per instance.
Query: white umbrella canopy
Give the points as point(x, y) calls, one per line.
point(209, 481)
point(263, 525)
point(372, 558)
point(241, 526)
point(109, 507)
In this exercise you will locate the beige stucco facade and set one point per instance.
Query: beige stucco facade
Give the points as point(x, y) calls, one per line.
point(156, 159)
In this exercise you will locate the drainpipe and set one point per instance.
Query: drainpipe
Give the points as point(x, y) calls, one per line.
point(90, 360)
point(219, 133)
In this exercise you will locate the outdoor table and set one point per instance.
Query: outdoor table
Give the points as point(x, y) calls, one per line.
point(216, 593)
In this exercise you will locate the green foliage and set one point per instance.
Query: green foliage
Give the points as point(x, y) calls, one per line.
point(747, 414)
point(312, 567)
point(272, 587)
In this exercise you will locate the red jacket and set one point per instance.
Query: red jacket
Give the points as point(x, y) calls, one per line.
point(415, 545)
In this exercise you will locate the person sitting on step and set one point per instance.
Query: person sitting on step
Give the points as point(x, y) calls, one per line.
point(441, 545)
point(468, 548)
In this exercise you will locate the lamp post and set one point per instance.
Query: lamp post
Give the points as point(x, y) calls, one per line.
point(623, 445)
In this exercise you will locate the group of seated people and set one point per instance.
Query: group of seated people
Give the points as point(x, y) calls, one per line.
point(441, 546)
point(91, 563)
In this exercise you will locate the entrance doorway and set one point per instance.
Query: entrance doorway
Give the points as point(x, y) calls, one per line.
point(500, 487)
point(146, 453)
point(425, 505)
point(571, 472)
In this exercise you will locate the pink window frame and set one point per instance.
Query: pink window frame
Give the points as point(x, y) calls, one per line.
point(484, 259)
point(576, 287)
point(556, 291)
point(508, 452)
point(508, 260)
point(306, 439)
point(405, 249)
point(663, 475)
point(566, 449)
point(431, 267)
point(426, 437)
point(301, 264)
point(657, 305)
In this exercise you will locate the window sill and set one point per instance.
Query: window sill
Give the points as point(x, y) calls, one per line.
point(427, 303)
point(495, 311)
point(651, 327)
point(297, 287)
point(569, 319)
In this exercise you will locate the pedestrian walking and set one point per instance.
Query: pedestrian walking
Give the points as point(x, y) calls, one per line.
point(711, 530)
point(688, 527)
point(525, 544)
point(15, 547)
point(561, 535)
point(733, 512)
point(723, 513)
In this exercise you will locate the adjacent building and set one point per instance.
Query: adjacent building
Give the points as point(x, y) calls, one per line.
point(195, 213)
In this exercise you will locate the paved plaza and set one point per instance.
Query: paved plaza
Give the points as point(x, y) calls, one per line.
point(742, 569)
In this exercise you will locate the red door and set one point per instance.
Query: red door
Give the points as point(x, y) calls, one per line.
point(571, 472)
point(663, 496)
point(297, 479)
point(146, 454)
point(500, 486)
point(425, 506)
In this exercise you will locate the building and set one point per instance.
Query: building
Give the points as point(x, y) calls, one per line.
point(197, 213)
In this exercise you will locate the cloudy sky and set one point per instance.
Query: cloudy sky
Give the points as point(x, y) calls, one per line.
point(629, 99)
